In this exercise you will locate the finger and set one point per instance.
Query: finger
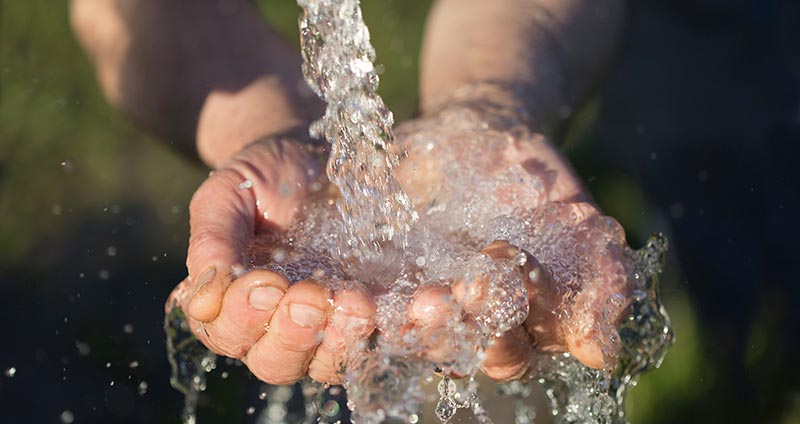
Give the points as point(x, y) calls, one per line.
point(509, 356)
point(432, 305)
point(222, 220)
point(473, 294)
point(283, 354)
point(350, 324)
point(591, 333)
point(246, 310)
point(433, 313)
point(545, 313)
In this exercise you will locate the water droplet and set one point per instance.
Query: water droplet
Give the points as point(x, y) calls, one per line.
point(11, 372)
point(445, 409)
point(67, 417)
point(245, 184)
point(447, 387)
point(67, 165)
point(279, 255)
point(83, 348)
point(330, 409)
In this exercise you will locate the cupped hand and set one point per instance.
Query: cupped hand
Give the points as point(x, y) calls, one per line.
point(281, 331)
point(468, 164)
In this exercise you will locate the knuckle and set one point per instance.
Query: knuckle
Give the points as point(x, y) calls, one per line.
point(296, 343)
point(271, 375)
point(324, 374)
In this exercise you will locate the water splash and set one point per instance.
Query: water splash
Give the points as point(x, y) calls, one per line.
point(190, 362)
point(338, 66)
point(373, 222)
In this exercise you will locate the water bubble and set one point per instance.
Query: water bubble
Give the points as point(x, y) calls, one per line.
point(224, 375)
point(250, 410)
point(447, 387)
point(127, 328)
point(142, 388)
point(11, 372)
point(279, 255)
point(245, 185)
point(111, 251)
point(330, 409)
point(445, 409)
point(104, 274)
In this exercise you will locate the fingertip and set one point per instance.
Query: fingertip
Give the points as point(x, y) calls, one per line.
point(500, 249)
point(471, 295)
point(264, 289)
point(431, 304)
point(590, 352)
point(509, 356)
point(353, 312)
point(283, 355)
point(206, 301)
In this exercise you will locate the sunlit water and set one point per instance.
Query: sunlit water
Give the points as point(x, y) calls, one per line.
point(369, 233)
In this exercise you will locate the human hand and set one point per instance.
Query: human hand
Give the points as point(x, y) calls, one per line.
point(255, 197)
point(479, 170)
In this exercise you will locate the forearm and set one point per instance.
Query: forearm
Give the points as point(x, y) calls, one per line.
point(547, 53)
point(207, 77)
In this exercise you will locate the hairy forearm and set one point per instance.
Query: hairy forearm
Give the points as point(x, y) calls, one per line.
point(207, 75)
point(548, 53)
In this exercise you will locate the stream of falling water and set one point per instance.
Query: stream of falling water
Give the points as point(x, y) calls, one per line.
point(371, 233)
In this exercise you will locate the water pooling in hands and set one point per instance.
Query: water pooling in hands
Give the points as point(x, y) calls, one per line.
point(486, 252)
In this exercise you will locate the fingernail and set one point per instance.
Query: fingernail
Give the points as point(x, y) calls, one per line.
point(305, 315)
point(348, 323)
point(265, 298)
point(206, 277)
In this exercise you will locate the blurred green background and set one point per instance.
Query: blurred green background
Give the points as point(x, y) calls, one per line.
point(94, 226)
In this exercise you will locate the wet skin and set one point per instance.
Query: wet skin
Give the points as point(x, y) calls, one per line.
point(243, 85)
point(284, 332)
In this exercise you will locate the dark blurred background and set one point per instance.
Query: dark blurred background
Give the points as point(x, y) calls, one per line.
point(695, 133)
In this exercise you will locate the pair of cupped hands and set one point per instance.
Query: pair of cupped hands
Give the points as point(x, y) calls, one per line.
point(285, 331)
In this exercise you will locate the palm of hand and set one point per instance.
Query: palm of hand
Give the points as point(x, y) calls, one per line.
point(467, 172)
point(576, 279)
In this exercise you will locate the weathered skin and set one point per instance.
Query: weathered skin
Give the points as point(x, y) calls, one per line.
point(242, 86)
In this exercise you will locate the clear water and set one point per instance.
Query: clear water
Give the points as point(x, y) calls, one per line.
point(371, 233)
